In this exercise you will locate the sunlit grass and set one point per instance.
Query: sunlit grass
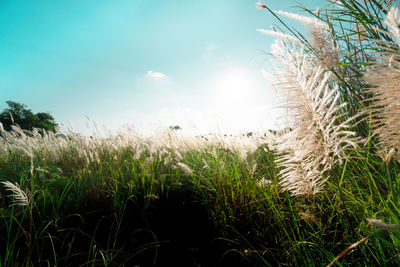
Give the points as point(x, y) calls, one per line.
point(173, 199)
point(125, 198)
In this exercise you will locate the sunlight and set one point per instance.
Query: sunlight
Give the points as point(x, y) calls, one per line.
point(233, 90)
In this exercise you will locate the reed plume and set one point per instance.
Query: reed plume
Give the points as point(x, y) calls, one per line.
point(319, 137)
point(383, 76)
point(19, 197)
point(380, 224)
point(321, 41)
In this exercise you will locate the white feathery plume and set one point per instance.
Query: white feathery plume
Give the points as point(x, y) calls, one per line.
point(18, 130)
point(392, 22)
point(384, 76)
point(260, 5)
point(321, 41)
point(280, 35)
point(386, 154)
point(307, 21)
point(380, 224)
point(264, 182)
point(318, 140)
point(178, 155)
point(19, 196)
point(38, 169)
point(185, 168)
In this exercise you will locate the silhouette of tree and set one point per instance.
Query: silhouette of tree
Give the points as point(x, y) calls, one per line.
point(17, 113)
point(175, 127)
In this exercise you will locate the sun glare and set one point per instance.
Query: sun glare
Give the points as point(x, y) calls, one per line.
point(233, 90)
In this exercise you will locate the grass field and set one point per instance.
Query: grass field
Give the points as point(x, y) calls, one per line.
point(325, 192)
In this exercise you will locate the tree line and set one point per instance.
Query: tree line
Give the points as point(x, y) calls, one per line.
point(19, 114)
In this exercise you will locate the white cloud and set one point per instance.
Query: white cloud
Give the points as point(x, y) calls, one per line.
point(156, 75)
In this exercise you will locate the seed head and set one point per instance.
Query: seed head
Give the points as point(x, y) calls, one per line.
point(18, 195)
point(260, 5)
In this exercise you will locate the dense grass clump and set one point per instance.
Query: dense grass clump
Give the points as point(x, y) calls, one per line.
point(324, 192)
point(173, 199)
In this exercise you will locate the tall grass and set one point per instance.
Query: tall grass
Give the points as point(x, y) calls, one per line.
point(325, 192)
point(355, 44)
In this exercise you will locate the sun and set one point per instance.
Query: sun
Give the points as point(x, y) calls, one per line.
point(234, 89)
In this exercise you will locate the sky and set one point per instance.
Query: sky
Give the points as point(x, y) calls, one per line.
point(150, 64)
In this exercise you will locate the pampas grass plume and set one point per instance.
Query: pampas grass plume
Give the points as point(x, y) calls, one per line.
point(320, 136)
point(380, 224)
point(260, 5)
point(384, 76)
point(18, 195)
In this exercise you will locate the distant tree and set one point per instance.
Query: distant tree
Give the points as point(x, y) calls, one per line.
point(17, 113)
point(175, 127)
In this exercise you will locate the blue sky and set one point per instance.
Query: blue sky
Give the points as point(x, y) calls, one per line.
point(148, 63)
